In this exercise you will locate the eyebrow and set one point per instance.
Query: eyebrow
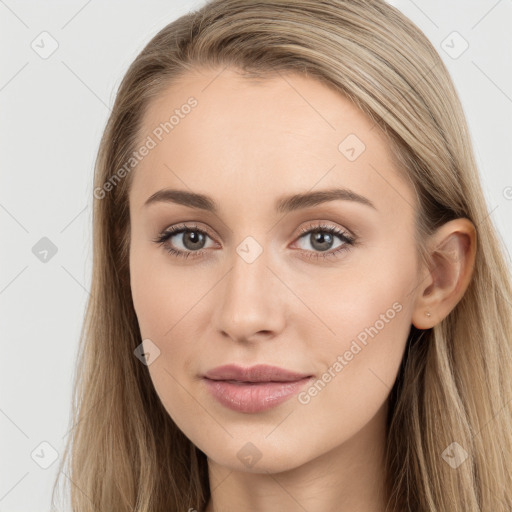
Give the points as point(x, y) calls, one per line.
point(283, 205)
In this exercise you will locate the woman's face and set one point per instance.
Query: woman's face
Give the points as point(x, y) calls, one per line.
point(275, 274)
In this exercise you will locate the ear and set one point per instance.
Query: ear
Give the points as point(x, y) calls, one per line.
point(452, 248)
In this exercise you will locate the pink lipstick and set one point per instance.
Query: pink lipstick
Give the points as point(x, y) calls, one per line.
point(253, 389)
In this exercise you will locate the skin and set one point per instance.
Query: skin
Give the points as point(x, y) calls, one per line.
point(246, 144)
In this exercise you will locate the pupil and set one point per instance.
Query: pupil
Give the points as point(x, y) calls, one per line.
point(192, 238)
point(320, 240)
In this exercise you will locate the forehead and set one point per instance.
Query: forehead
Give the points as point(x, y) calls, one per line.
point(216, 131)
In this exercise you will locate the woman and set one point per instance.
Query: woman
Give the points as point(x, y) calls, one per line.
point(299, 301)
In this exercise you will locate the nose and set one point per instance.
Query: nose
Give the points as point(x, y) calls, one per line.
point(251, 301)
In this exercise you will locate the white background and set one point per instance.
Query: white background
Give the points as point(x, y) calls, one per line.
point(53, 112)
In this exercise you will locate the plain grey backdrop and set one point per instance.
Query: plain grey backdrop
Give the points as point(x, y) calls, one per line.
point(61, 63)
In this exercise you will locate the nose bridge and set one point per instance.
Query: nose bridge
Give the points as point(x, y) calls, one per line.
point(249, 271)
point(250, 298)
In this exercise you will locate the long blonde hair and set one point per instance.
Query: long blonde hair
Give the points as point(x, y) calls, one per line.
point(123, 451)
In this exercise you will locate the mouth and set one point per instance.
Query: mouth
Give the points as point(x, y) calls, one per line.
point(255, 389)
point(254, 374)
point(254, 383)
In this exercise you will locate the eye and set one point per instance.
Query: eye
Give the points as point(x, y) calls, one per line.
point(321, 239)
point(191, 238)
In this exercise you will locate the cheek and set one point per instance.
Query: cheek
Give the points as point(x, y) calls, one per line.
point(165, 304)
point(371, 295)
point(160, 292)
point(366, 315)
point(370, 309)
point(369, 312)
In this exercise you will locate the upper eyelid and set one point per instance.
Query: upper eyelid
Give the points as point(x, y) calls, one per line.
point(326, 224)
point(179, 229)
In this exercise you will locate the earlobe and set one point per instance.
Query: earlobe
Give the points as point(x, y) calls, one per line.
point(452, 249)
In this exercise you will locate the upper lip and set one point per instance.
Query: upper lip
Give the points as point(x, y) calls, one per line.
point(257, 373)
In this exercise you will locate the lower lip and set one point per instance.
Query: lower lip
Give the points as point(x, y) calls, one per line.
point(253, 397)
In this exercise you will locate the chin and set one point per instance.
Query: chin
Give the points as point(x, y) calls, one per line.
point(258, 457)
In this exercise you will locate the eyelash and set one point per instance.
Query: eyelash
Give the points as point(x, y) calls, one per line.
point(347, 240)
